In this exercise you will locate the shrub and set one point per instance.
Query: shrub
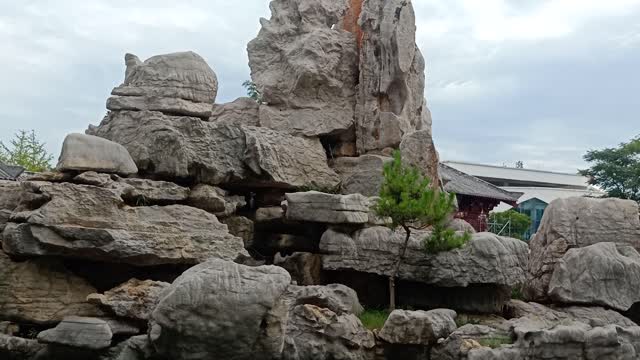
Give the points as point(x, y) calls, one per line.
point(374, 319)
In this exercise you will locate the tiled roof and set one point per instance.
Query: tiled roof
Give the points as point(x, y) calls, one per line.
point(460, 183)
point(10, 172)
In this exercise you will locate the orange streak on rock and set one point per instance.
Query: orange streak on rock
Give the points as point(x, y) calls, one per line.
point(350, 22)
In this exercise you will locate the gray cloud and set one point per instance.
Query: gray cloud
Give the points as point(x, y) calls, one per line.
point(537, 81)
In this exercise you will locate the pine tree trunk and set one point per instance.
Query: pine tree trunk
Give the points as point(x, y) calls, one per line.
point(392, 278)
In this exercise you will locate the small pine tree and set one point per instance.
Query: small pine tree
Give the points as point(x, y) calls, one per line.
point(27, 151)
point(252, 90)
point(411, 203)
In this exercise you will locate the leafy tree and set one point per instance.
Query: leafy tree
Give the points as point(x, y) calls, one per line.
point(520, 223)
point(27, 151)
point(616, 170)
point(408, 200)
point(252, 90)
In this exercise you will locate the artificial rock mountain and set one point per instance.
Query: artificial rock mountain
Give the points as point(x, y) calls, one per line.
point(178, 228)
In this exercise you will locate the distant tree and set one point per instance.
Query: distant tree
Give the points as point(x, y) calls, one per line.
point(408, 200)
point(520, 222)
point(27, 151)
point(616, 170)
point(519, 164)
point(252, 90)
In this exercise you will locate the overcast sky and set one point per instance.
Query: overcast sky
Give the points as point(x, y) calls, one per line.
point(532, 80)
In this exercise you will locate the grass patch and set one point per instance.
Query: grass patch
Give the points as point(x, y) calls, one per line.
point(496, 341)
point(374, 319)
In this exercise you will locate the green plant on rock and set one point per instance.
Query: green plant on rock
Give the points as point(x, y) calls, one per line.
point(373, 319)
point(252, 91)
point(407, 198)
point(27, 151)
point(495, 341)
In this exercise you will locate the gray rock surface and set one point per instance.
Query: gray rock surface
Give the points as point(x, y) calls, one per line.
point(79, 332)
point(418, 327)
point(10, 194)
point(134, 348)
point(93, 223)
point(600, 274)
point(134, 299)
point(574, 223)
point(17, 348)
point(92, 178)
point(550, 316)
point(241, 227)
point(178, 83)
point(390, 99)
point(221, 309)
point(485, 259)
point(145, 191)
point(361, 175)
point(90, 153)
point(214, 200)
point(417, 149)
point(335, 297)
point(288, 160)
point(215, 153)
point(41, 291)
point(202, 151)
point(305, 68)
point(327, 208)
point(242, 111)
point(304, 268)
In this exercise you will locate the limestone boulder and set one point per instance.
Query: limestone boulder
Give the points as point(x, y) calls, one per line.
point(213, 153)
point(220, 309)
point(418, 327)
point(90, 153)
point(10, 194)
point(141, 192)
point(242, 111)
point(417, 149)
point(93, 223)
point(241, 227)
point(338, 298)
point(390, 99)
point(134, 299)
point(545, 316)
point(600, 274)
point(485, 259)
point(214, 200)
point(575, 223)
point(201, 151)
point(306, 67)
point(92, 178)
point(79, 332)
point(134, 348)
point(304, 268)
point(287, 160)
point(42, 291)
point(178, 83)
point(362, 174)
point(17, 348)
point(327, 208)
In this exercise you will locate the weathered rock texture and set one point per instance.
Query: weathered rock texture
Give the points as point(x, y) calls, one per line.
point(602, 274)
point(485, 259)
point(90, 153)
point(242, 111)
point(10, 194)
point(179, 83)
point(361, 175)
point(134, 299)
point(304, 268)
point(215, 153)
point(94, 223)
point(306, 68)
point(390, 99)
point(417, 149)
point(418, 327)
point(79, 332)
point(221, 309)
point(41, 291)
point(17, 348)
point(575, 223)
point(327, 208)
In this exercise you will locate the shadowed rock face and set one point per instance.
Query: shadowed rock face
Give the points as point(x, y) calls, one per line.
point(575, 223)
point(89, 222)
point(178, 83)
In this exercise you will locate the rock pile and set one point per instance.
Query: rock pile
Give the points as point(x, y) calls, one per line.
point(182, 229)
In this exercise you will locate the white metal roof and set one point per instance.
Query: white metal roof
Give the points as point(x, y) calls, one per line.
point(546, 194)
point(527, 175)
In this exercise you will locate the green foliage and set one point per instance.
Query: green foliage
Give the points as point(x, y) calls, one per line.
point(252, 90)
point(322, 189)
point(616, 170)
point(495, 341)
point(464, 319)
point(373, 319)
point(520, 223)
point(407, 198)
point(27, 151)
point(516, 293)
point(443, 239)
